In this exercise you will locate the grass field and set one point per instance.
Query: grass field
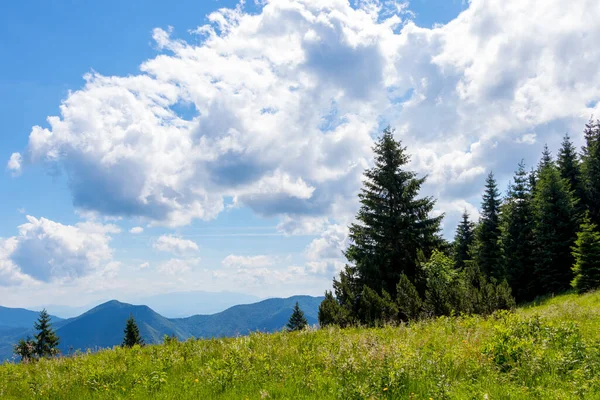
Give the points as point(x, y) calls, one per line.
point(545, 351)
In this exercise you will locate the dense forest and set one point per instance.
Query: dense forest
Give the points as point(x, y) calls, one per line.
point(540, 239)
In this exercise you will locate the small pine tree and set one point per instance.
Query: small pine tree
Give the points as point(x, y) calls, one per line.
point(297, 320)
point(587, 258)
point(25, 349)
point(132, 334)
point(410, 305)
point(465, 234)
point(46, 341)
point(487, 251)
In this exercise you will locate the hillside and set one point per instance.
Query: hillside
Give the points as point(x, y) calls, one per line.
point(547, 351)
point(102, 326)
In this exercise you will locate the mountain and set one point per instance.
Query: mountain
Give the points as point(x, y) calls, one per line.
point(102, 326)
point(20, 318)
point(184, 304)
point(17, 323)
point(266, 316)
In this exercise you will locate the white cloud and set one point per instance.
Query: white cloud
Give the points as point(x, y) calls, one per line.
point(136, 230)
point(325, 254)
point(144, 265)
point(178, 266)
point(14, 163)
point(48, 251)
point(287, 99)
point(175, 245)
point(233, 261)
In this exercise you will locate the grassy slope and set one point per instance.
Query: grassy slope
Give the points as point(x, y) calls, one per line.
point(550, 351)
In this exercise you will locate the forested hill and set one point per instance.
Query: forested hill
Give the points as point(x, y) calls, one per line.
point(102, 326)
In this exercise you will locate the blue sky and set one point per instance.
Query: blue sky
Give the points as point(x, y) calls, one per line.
point(239, 152)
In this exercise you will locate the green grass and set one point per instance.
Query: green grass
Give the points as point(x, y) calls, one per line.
point(545, 351)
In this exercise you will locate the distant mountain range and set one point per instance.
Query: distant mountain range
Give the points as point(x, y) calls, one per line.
point(102, 326)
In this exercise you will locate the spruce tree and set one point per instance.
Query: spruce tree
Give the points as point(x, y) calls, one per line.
point(487, 251)
point(393, 224)
point(555, 232)
point(517, 225)
point(297, 320)
point(587, 257)
point(463, 240)
point(46, 341)
point(591, 170)
point(131, 334)
point(570, 170)
point(546, 159)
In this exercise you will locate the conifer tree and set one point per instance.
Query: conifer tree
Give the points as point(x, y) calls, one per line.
point(131, 334)
point(517, 225)
point(25, 349)
point(297, 320)
point(570, 170)
point(591, 170)
point(546, 159)
point(46, 341)
point(463, 240)
point(393, 224)
point(555, 232)
point(587, 257)
point(487, 250)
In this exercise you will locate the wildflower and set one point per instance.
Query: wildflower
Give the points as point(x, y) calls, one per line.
point(385, 389)
point(196, 380)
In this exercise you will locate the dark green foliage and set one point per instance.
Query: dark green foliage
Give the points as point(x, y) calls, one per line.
point(25, 349)
point(46, 341)
point(570, 170)
point(517, 222)
point(555, 232)
point(587, 257)
point(393, 224)
point(297, 320)
point(409, 302)
point(376, 310)
point(441, 296)
point(463, 240)
point(487, 251)
point(132, 334)
point(591, 170)
point(332, 313)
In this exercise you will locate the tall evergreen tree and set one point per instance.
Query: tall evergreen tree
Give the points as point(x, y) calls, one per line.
point(46, 341)
point(591, 170)
point(570, 170)
point(393, 224)
point(546, 159)
point(517, 224)
point(297, 320)
point(487, 249)
point(555, 231)
point(463, 240)
point(131, 334)
point(587, 257)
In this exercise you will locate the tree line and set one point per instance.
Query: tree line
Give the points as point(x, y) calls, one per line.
point(541, 238)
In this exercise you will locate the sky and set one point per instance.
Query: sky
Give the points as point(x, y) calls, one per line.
point(152, 147)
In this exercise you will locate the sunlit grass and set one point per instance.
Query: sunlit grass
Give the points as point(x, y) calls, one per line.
point(545, 351)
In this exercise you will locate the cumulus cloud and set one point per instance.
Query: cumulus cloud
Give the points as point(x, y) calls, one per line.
point(14, 163)
point(287, 100)
point(178, 266)
point(233, 261)
point(136, 230)
point(144, 265)
point(175, 245)
point(48, 251)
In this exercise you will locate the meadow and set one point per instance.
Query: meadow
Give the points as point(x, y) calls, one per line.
point(549, 350)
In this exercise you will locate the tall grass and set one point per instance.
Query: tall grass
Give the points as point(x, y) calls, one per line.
point(545, 351)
